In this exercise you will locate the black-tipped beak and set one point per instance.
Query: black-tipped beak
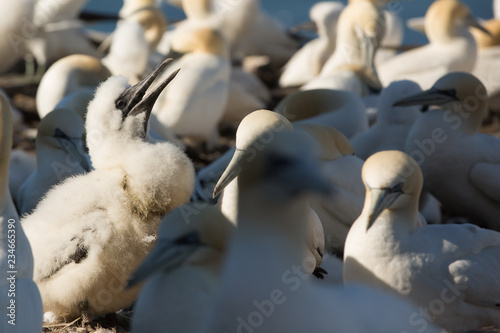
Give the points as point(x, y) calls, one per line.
point(134, 100)
point(432, 96)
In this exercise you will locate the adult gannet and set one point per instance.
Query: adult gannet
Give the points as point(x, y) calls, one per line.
point(19, 298)
point(451, 48)
point(60, 154)
point(335, 108)
point(360, 22)
point(450, 271)
point(263, 286)
point(182, 271)
point(193, 105)
point(262, 125)
point(307, 62)
point(461, 167)
point(332, 215)
point(86, 246)
point(12, 38)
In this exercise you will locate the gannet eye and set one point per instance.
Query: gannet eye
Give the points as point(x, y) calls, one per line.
point(396, 188)
point(120, 104)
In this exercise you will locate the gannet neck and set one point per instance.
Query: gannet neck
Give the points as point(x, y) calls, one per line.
point(471, 96)
point(6, 133)
point(445, 20)
point(394, 115)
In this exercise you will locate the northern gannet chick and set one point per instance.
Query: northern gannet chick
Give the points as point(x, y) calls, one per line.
point(182, 270)
point(65, 77)
point(263, 284)
point(22, 164)
point(261, 126)
point(307, 62)
point(60, 154)
point(450, 271)
point(451, 48)
point(86, 246)
point(19, 298)
point(335, 108)
point(461, 167)
point(360, 22)
point(194, 104)
point(393, 123)
point(11, 31)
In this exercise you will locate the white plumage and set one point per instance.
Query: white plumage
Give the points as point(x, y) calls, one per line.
point(91, 231)
point(450, 271)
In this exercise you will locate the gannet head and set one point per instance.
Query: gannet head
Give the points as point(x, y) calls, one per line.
point(122, 110)
point(459, 92)
point(63, 129)
point(485, 40)
point(149, 16)
point(360, 17)
point(446, 19)
point(201, 39)
point(389, 114)
point(392, 180)
point(283, 169)
point(257, 124)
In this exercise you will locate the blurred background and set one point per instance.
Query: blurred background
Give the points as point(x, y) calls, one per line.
point(293, 12)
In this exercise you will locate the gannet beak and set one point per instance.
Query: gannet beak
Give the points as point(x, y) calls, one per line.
point(232, 170)
point(381, 199)
point(304, 26)
point(432, 96)
point(134, 101)
point(166, 255)
point(472, 22)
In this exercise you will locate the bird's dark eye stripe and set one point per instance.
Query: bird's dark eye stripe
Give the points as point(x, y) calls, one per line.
point(396, 188)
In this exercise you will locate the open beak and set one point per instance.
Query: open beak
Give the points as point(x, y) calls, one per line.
point(432, 96)
point(134, 101)
point(381, 199)
point(232, 170)
point(473, 23)
point(166, 256)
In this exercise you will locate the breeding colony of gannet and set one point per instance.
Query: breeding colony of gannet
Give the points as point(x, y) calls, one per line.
point(225, 173)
